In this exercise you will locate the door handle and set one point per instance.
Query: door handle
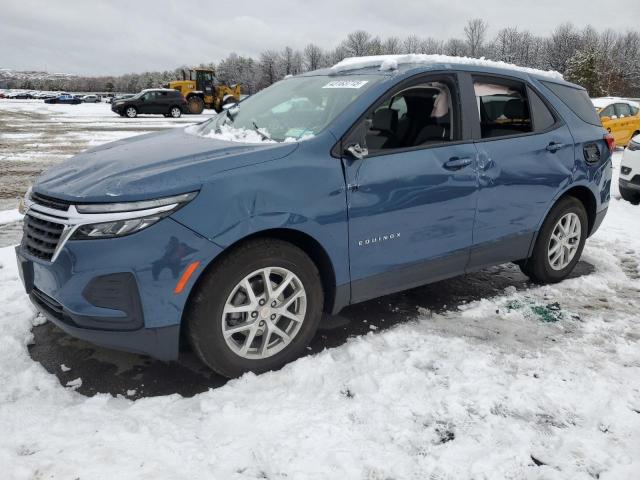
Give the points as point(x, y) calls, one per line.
point(456, 163)
point(554, 147)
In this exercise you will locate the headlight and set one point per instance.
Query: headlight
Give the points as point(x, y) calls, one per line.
point(118, 228)
point(127, 217)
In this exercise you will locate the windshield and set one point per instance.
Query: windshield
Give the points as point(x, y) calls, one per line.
point(290, 110)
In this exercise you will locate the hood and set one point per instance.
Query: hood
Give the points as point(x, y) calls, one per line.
point(150, 166)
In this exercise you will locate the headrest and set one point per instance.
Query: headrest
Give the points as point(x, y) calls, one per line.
point(385, 119)
point(515, 108)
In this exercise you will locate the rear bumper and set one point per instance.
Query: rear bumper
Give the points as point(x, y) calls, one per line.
point(627, 185)
point(119, 293)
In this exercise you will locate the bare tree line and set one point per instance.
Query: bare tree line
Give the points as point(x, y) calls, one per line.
point(606, 63)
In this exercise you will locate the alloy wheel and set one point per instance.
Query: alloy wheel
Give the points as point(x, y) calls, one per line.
point(264, 313)
point(564, 241)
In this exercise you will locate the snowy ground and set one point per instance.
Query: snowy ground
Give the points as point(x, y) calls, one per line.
point(541, 383)
point(35, 135)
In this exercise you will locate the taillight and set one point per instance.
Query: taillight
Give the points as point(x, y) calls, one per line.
point(611, 142)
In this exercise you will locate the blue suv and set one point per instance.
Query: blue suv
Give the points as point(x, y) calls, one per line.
point(323, 190)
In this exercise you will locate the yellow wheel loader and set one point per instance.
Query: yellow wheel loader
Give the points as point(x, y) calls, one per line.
point(201, 89)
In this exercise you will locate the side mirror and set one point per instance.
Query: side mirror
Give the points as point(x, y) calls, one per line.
point(356, 151)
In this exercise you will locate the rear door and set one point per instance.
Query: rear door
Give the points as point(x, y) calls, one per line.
point(412, 198)
point(525, 155)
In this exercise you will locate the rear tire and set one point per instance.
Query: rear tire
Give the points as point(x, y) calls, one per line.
point(559, 244)
point(263, 339)
point(195, 105)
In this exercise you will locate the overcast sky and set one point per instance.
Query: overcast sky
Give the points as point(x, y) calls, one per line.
point(113, 37)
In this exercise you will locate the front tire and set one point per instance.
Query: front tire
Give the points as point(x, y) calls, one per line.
point(131, 112)
point(559, 244)
point(257, 309)
point(175, 112)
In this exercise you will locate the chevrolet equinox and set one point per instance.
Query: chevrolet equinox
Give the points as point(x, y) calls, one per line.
point(325, 189)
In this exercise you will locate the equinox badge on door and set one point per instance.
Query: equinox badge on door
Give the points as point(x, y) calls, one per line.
point(379, 239)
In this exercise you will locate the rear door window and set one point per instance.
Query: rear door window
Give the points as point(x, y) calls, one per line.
point(607, 112)
point(503, 107)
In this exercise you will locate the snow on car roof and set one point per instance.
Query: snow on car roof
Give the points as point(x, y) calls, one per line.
point(391, 62)
point(603, 102)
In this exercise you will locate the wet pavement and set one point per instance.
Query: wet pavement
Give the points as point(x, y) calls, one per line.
point(135, 376)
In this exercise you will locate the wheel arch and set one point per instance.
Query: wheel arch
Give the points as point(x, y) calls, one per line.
point(587, 198)
point(582, 193)
point(316, 252)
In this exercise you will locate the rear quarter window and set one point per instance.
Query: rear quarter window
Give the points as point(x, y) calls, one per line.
point(577, 100)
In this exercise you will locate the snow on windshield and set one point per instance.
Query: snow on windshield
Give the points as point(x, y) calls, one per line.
point(391, 62)
point(229, 133)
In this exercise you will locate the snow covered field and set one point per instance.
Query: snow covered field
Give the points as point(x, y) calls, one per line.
point(35, 135)
point(542, 383)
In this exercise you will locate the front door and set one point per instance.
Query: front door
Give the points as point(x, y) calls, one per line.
point(525, 155)
point(412, 198)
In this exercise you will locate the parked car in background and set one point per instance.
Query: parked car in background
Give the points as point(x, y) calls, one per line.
point(91, 99)
point(23, 96)
point(120, 97)
point(620, 117)
point(163, 101)
point(629, 182)
point(64, 98)
point(383, 175)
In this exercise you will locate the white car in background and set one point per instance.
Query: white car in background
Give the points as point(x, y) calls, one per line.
point(629, 182)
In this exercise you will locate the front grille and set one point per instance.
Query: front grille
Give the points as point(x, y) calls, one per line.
point(41, 237)
point(50, 202)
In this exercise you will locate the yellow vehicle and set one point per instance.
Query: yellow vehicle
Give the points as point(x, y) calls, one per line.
point(620, 117)
point(201, 89)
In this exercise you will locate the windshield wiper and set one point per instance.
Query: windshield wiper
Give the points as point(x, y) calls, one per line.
point(264, 135)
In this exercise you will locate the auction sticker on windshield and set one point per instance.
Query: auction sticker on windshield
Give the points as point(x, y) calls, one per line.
point(346, 84)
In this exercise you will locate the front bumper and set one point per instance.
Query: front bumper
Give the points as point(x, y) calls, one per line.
point(119, 292)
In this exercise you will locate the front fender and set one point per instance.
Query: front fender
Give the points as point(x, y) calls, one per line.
point(302, 192)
